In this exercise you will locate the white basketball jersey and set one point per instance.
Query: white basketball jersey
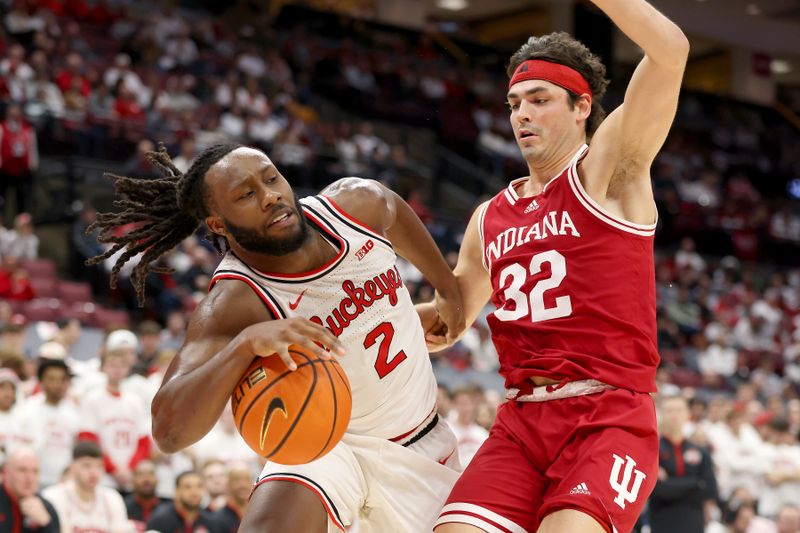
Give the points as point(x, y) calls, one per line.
point(361, 298)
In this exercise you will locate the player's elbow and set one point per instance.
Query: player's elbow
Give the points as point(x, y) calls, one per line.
point(166, 442)
point(681, 47)
point(166, 433)
point(676, 52)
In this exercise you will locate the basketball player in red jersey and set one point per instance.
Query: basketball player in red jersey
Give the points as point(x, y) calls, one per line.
point(566, 256)
point(288, 262)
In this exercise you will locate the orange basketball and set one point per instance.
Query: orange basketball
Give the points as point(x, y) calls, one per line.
point(292, 417)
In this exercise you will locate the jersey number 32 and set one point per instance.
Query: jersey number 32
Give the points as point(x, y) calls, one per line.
point(533, 303)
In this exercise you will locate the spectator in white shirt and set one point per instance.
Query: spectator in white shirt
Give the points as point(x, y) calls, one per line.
point(9, 425)
point(687, 256)
point(117, 420)
point(49, 421)
point(215, 481)
point(21, 242)
point(223, 442)
point(782, 456)
point(463, 422)
point(81, 502)
point(122, 71)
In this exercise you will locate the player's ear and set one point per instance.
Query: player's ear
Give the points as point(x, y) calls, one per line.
point(216, 225)
point(584, 106)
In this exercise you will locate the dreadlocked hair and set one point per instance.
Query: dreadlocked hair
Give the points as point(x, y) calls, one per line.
point(165, 210)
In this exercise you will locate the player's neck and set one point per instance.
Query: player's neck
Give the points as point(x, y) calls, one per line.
point(314, 252)
point(546, 167)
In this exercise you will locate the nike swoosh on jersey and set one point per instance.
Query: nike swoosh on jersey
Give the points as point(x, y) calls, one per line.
point(276, 405)
point(293, 305)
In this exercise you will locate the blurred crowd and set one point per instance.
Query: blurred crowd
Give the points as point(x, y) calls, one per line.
point(108, 79)
point(78, 429)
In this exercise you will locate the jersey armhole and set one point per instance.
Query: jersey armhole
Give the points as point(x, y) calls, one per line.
point(363, 225)
point(269, 301)
point(603, 215)
point(481, 219)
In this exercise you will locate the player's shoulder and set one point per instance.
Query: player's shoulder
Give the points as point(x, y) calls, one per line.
point(479, 212)
point(230, 306)
point(363, 199)
point(353, 193)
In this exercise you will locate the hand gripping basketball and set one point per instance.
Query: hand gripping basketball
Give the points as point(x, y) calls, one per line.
point(292, 417)
point(275, 336)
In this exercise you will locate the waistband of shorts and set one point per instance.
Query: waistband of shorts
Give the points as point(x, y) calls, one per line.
point(424, 427)
point(559, 391)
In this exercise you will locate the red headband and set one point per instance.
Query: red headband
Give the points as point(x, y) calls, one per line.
point(561, 75)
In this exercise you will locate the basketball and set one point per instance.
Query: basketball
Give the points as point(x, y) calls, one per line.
point(292, 417)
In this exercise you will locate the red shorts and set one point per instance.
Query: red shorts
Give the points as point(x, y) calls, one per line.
point(596, 453)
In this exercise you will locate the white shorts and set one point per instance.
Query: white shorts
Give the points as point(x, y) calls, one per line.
point(374, 485)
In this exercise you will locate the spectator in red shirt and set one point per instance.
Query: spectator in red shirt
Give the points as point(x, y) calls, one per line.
point(19, 157)
point(126, 105)
point(14, 282)
point(74, 71)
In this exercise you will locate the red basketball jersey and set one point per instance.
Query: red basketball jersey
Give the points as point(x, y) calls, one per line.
point(573, 287)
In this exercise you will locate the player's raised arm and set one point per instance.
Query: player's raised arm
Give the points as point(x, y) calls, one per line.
point(628, 140)
point(385, 211)
point(219, 347)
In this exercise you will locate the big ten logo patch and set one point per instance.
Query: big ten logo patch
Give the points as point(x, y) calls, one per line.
point(626, 483)
point(364, 250)
point(245, 384)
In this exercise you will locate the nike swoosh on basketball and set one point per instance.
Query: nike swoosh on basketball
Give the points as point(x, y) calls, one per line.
point(275, 405)
point(293, 305)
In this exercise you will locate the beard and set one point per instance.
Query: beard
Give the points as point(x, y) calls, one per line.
point(253, 241)
point(190, 506)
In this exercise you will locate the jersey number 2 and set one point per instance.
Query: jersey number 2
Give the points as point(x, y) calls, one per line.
point(534, 302)
point(383, 365)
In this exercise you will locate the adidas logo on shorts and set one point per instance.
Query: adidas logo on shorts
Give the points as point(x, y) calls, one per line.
point(580, 489)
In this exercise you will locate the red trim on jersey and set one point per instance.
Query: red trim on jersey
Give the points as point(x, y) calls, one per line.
point(419, 426)
point(310, 487)
point(256, 289)
point(323, 227)
point(353, 219)
point(454, 515)
point(443, 461)
point(642, 230)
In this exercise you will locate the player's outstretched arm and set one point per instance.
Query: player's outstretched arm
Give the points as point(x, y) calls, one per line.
point(473, 278)
point(625, 145)
point(228, 329)
point(384, 211)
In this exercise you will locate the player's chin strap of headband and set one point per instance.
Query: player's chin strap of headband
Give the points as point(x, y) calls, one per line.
point(561, 75)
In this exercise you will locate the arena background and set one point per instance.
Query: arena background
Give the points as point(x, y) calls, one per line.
point(411, 93)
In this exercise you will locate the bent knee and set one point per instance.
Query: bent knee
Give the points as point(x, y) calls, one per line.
point(284, 506)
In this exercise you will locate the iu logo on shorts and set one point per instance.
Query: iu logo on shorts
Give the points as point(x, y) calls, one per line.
point(626, 492)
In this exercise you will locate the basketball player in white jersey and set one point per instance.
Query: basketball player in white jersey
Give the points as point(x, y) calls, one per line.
point(322, 270)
